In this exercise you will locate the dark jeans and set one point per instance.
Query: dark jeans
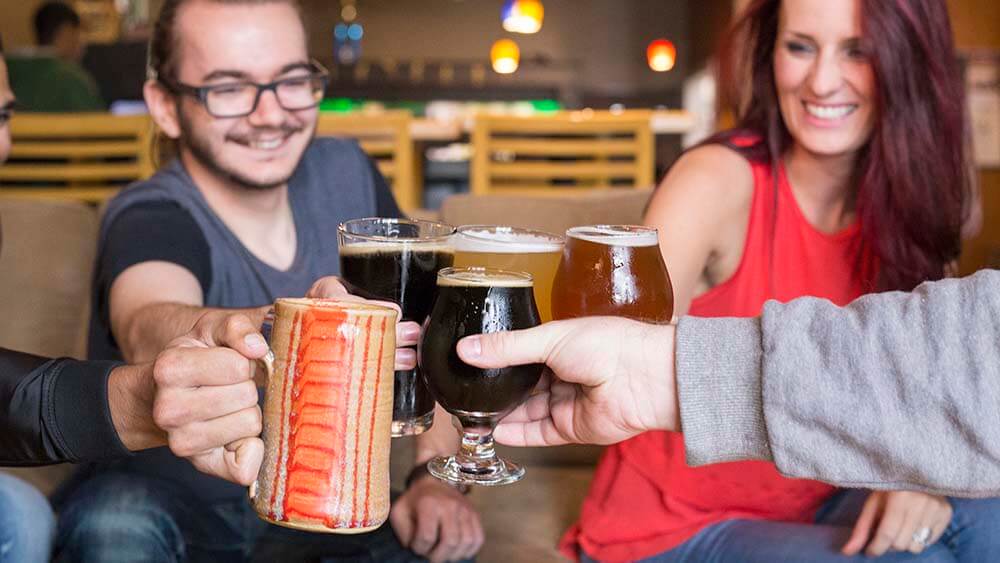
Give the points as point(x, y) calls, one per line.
point(119, 516)
point(973, 536)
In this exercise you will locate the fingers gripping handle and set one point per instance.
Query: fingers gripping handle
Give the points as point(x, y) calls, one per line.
point(267, 366)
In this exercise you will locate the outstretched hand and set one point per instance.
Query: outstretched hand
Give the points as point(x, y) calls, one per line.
point(608, 379)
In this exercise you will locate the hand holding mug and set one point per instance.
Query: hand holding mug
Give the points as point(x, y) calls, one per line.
point(205, 398)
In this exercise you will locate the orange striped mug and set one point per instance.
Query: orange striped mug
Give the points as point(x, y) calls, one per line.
point(327, 417)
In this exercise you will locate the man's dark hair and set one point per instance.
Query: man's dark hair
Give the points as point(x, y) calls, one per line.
point(50, 18)
point(1, 44)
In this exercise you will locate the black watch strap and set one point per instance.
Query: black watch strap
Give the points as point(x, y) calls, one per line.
point(420, 470)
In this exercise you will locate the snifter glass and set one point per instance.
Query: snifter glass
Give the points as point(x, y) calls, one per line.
point(398, 260)
point(613, 270)
point(476, 301)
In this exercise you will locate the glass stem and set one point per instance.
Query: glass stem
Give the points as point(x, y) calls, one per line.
point(477, 454)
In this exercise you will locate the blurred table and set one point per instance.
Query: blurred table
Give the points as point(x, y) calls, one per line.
point(663, 122)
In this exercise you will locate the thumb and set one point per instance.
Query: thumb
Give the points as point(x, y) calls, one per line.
point(503, 349)
point(243, 458)
point(240, 334)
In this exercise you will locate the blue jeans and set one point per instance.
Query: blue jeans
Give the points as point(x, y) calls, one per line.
point(120, 516)
point(973, 536)
point(27, 525)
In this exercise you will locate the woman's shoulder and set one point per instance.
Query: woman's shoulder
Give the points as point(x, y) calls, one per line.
point(712, 172)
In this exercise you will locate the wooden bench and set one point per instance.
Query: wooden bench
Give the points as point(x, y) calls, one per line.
point(83, 157)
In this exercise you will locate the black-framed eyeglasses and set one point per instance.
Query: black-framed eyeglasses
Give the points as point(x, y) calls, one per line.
point(240, 98)
point(6, 112)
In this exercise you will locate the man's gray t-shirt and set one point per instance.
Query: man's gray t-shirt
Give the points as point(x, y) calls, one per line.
point(166, 218)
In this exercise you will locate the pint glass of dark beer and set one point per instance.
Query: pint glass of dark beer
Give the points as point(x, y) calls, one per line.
point(398, 260)
point(477, 301)
point(614, 270)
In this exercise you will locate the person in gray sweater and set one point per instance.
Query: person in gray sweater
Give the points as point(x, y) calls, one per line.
point(894, 391)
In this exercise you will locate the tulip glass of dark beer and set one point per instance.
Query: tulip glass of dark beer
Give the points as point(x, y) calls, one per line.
point(614, 270)
point(398, 260)
point(477, 301)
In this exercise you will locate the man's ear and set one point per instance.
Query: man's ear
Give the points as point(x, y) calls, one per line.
point(162, 108)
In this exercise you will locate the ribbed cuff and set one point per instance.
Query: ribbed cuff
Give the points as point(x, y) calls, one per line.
point(78, 412)
point(718, 364)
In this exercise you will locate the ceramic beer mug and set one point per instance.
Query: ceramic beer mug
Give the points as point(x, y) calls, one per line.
point(327, 417)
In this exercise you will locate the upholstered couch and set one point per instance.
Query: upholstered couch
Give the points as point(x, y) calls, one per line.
point(45, 275)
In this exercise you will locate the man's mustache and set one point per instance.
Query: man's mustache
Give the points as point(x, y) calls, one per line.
point(247, 137)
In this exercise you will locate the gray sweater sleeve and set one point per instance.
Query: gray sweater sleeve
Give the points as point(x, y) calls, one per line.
point(894, 391)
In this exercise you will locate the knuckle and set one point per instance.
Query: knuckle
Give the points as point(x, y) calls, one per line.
point(181, 445)
point(166, 367)
point(256, 422)
point(203, 326)
point(233, 324)
point(884, 538)
point(248, 393)
point(426, 537)
point(168, 414)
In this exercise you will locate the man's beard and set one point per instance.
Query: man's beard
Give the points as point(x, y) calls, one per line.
point(200, 149)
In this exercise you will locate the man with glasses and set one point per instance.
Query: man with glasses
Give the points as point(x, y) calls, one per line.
point(247, 212)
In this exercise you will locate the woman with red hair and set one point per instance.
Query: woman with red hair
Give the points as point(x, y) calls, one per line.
point(847, 173)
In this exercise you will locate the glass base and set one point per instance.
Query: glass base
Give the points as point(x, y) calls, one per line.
point(412, 427)
point(499, 473)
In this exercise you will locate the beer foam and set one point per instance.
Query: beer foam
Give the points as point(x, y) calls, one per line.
point(410, 245)
point(482, 277)
point(506, 241)
point(615, 235)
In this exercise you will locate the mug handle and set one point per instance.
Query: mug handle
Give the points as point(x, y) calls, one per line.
point(267, 362)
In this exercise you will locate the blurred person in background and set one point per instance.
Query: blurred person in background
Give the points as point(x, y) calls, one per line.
point(49, 77)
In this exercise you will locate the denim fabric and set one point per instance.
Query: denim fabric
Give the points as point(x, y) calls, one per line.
point(27, 525)
point(124, 517)
point(973, 536)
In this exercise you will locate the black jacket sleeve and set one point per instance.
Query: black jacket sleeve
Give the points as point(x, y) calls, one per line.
point(54, 411)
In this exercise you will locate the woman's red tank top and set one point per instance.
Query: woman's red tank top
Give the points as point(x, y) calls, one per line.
point(644, 499)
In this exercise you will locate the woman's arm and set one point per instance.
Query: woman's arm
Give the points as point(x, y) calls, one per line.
point(702, 209)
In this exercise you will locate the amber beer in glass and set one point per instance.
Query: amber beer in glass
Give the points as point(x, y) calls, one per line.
point(614, 270)
point(516, 250)
point(398, 260)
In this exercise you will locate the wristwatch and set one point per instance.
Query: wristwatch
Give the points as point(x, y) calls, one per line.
point(420, 470)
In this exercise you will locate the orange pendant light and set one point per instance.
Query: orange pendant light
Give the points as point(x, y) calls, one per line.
point(505, 56)
point(661, 55)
